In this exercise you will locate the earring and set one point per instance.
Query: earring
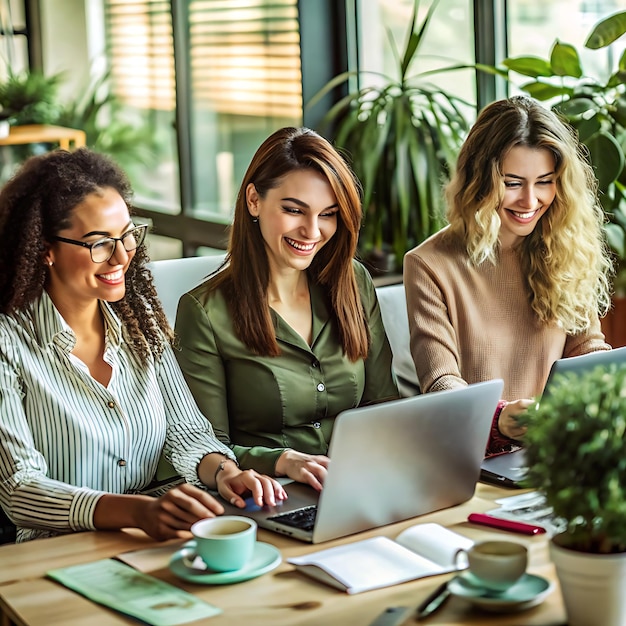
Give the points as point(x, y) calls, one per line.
point(255, 220)
point(50, 263)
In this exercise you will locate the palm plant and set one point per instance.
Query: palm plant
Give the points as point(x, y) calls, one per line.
point(402, 139)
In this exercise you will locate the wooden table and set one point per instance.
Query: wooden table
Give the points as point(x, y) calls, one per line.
point(67, 138)
point(282, 597)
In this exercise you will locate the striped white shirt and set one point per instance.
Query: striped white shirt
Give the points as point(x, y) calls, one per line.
point(65, 439)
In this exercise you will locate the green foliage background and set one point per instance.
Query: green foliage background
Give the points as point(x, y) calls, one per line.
point(402, 139)
point(31, 98)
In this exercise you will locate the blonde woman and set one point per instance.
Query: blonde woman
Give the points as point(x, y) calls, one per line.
point(520, 275)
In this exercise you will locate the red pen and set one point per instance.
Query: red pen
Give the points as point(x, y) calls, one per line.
point(506, 524)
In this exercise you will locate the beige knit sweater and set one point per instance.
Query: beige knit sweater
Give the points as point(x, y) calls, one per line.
point(471, 324)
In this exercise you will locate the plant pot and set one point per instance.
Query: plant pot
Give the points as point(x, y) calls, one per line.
point(380, 262)
point(614, 323)
point(593, 585)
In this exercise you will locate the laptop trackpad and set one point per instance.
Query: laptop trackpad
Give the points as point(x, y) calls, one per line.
point(299, 496)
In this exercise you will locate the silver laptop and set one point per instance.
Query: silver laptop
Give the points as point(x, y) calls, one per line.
point(509, 469)
point(585, 363)
point(506, 470)
point(390, 462)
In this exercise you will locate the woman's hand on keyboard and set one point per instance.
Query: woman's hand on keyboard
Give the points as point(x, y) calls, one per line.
point(233, 486)
point(305, 468)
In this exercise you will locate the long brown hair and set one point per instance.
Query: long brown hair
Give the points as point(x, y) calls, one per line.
point(35, 205)
point(245, 279)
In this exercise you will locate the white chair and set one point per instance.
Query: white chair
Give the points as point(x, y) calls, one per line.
point(392, 302)
point(174, 277)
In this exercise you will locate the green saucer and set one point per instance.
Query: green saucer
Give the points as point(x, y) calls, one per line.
point(187, 565)
point(527, 592)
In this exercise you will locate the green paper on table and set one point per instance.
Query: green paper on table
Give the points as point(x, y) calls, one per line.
point(120, 587)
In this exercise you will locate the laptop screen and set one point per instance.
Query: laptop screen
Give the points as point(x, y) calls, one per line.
point(584, 363)
point(508, 469)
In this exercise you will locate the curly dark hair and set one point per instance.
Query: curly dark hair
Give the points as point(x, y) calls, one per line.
point(36, 204)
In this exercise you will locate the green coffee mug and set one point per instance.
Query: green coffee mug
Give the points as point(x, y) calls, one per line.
point(225, 543)
point(497, 565)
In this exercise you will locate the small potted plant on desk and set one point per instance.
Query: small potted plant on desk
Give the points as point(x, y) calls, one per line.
point(576, 451)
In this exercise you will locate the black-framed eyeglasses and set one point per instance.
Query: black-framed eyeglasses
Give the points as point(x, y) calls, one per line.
point(103, 249)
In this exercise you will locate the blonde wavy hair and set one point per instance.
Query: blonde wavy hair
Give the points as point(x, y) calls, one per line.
point(565, 259)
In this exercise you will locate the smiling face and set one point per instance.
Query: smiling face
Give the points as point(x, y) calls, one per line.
point(530, 188)
point(296, 219)
point(74, 279)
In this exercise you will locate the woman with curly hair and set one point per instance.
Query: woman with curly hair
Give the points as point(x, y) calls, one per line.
point(521, 273)
point(289, 333)
point(90, 391)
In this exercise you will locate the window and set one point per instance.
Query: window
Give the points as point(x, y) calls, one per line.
point(245, 83)
point(211, 79)
point(533, 26)
point(13, 37)
point(140, 51)
point(449, 40)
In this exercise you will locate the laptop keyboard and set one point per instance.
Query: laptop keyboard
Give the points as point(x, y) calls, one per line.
point(300, 518)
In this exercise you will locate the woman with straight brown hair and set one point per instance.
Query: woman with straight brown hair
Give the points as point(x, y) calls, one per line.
point(289, 333)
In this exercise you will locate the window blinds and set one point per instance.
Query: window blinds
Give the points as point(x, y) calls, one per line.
point(244, 55)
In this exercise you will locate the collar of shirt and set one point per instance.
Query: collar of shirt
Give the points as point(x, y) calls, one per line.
point(51, 328)
point(321, 316)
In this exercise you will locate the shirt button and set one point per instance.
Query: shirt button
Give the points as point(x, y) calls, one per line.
point(315, 364)
point(111, 404)
point(122, 463)
point(316, 425)
point(321, 387)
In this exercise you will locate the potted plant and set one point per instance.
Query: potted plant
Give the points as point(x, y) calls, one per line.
point(596, 108)
point(402, 137)
point(575, 451)
point(31, 97)
point(6, 118)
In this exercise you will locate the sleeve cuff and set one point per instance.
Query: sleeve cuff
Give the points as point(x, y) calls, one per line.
point(498, 443)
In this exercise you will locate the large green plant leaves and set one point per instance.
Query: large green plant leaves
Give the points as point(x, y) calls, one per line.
point(401, 138)
point(607, 157)
point(595, 107)
point(565, 61)
point(528, 66)
point(607, 31)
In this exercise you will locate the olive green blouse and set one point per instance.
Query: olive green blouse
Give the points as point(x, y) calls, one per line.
point(261, 405)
